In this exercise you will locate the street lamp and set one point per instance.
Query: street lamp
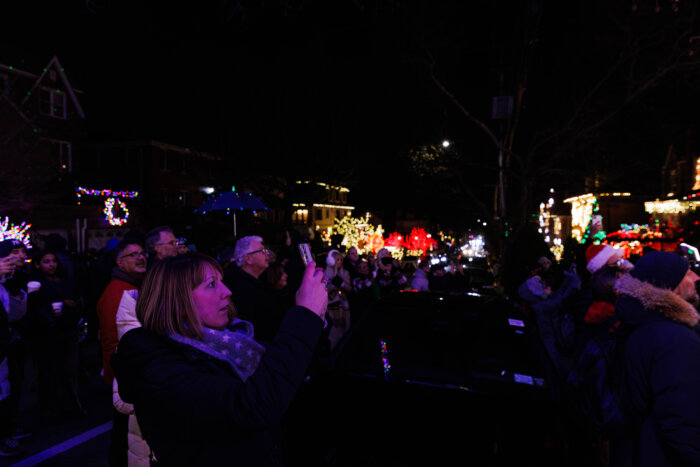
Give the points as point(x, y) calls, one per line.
point(445, 144)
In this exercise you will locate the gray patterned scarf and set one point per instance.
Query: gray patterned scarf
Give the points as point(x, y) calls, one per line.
point(234, 345)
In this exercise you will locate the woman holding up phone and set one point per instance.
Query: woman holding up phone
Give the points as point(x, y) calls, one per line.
point(205, 392)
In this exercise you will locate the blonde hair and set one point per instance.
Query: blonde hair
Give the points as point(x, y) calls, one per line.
point(165, 304)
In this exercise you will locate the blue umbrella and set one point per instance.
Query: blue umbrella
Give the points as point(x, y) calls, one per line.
point(232, 201)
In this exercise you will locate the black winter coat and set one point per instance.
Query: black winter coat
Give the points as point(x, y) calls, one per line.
point(194, 410)
point(663, 377)
point(254, 302)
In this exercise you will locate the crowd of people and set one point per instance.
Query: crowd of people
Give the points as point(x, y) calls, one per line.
point(191, 341)
point(51, 299)
point(652, 300)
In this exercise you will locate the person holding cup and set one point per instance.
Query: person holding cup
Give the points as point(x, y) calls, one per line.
point(57, 309)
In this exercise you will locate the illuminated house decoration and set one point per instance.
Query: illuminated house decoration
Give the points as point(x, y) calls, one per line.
point(394, 240)
point(697, 174)
point(474, 247)
point(673, 206)
point(356, 231)
point(550, 227)
point(112, 199)
point(418, 242)
point(632, 238)
point(8, 231)
point(319, 204)
point(586, 220)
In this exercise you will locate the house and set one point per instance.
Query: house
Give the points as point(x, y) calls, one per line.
point(42, 130)
point(157, 182)
point(317, 204)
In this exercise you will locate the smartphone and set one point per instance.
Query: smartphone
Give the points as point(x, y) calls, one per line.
point(305, 252)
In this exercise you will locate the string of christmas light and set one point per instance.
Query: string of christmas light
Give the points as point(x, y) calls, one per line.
point(9, 231)
point(109, 212)
point(80, 191)
point(385, 358)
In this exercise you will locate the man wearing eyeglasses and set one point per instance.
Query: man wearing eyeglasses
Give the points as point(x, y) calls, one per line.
point(161, 243)
point(129, 269)
point(127, 275)
point(252, 299)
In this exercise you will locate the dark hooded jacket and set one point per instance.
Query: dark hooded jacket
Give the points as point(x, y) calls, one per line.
point(663, 377)
point(194, 410)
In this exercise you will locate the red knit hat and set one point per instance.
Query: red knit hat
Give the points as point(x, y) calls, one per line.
point(598, 256)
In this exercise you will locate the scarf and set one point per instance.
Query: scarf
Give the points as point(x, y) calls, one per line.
point(120, 275)
point(234, 345)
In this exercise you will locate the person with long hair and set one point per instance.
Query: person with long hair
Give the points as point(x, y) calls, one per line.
point(204, 390)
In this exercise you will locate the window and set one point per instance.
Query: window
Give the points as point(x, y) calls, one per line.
point(52, 102)
point(300, 216)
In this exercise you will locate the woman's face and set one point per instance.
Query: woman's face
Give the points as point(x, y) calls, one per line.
point(211, 300)
point(352, 254)
point(48, 264)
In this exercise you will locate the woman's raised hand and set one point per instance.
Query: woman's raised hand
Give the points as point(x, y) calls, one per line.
point(312, 293)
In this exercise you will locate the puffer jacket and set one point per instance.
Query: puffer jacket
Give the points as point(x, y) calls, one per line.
point(663, 377)
point(138, 452)
point(194, 410)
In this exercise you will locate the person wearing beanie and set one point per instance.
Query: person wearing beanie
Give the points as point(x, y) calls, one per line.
point(657, 301)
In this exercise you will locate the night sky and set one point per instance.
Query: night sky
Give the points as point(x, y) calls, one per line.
point(342, 89)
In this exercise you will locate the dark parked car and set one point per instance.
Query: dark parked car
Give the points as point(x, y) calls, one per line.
point(429, 379)
point(480, 271)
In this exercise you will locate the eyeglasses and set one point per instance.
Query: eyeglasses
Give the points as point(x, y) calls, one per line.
point(264, 251)
point(171, 242)
point(135, 254)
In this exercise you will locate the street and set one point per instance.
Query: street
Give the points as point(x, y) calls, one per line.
point(77, 440)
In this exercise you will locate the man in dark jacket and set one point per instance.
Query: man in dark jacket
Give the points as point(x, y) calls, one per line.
point(252, 299)
point(662, 362)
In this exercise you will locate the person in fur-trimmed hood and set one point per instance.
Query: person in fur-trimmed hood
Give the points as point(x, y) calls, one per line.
point(662, 362)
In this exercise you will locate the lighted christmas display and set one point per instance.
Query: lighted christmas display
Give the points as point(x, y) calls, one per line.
point(109, 211)
point(358, 232)
point(418, 242)
point(475, 246)
point(632, 238)
point(112, 200)
point(394, 240)
point(697, 175)
point(385, 358)
point(550, 227)
point(8, 230)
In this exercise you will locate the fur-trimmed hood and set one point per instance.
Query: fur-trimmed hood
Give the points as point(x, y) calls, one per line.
point(664, 301)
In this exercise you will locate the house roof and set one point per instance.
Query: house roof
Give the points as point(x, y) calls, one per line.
point(37, 80)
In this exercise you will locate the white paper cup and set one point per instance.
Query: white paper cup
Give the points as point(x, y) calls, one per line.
point(33, 286)
point(57, 308)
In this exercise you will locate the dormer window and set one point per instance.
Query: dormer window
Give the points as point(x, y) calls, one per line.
point(52, 102)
